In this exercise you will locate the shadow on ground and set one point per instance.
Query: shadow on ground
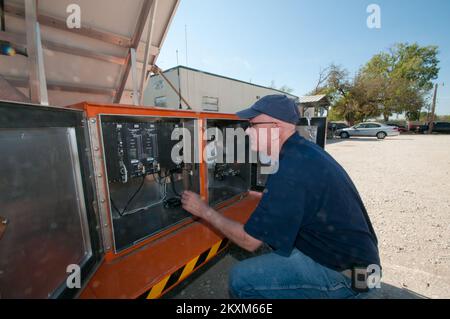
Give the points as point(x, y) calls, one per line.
point(211, 282)
point(366, 139)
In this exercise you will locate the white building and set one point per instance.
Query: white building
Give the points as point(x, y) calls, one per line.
point(203, 91)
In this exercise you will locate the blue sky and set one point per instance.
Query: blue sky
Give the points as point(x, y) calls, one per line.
point(289, 41)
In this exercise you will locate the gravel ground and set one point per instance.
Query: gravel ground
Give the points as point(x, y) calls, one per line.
point(405, 184)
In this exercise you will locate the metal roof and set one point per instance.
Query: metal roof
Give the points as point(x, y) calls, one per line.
point(314, 99)
point(95, 61)
point(227, 78)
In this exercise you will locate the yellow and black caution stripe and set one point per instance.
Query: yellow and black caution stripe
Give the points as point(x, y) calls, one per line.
point(179, 275)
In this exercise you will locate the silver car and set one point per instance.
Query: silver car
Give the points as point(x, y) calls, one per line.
point(367, 129)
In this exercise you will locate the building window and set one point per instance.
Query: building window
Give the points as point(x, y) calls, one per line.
point(210, 104)
point(161, 101)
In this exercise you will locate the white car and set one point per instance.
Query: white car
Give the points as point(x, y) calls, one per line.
point(369, 129)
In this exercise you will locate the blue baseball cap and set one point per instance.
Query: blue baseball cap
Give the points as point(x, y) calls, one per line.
point(277, 106)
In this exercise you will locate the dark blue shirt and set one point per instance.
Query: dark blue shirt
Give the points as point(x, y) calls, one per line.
point(312, 204)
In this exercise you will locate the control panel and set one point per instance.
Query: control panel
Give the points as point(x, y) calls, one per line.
point(147, 173)
point(131, 150)
point(228, 160)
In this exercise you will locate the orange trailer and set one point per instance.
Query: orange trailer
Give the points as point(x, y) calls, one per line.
point(160, 262)
point(66, 207)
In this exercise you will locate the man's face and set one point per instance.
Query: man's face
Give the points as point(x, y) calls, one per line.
point(264, 133)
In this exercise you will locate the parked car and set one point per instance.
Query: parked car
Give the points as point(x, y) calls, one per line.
point(421, 129)
point(438, 127)
point(337, 125)
point(416, 126)
point(441, 127)
point(333, 127)
point(401, 128)
point(370, 129)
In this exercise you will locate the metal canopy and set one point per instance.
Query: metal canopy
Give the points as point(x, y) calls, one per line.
point(94, 62)
point(315, 101)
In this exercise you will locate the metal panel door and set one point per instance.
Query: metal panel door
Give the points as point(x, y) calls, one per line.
point(315, 132)
point(46, 203)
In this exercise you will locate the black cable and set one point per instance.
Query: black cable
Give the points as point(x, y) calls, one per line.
point(115, 207)
point(241, 177)
point(132, 197)
point(158, 180)
point(174, 202)
point(161, 177)
point(172, 184)
point(168, 203)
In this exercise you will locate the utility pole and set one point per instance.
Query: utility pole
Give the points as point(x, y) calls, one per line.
point(433, 110)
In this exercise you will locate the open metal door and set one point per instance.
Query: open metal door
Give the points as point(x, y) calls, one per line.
point(312, 129)
point(49, 225)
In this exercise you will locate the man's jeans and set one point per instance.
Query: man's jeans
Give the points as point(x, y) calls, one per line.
point(296, 277)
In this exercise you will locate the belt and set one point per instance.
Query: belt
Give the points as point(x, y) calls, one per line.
point(358, 277)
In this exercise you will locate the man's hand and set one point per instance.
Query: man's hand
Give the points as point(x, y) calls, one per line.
point(194, 204)
point(230, 228)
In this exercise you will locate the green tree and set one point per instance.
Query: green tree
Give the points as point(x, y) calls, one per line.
point(352, 99)
point(333, 115)
point(404, 75)
point(443, 118)
point(396, 81)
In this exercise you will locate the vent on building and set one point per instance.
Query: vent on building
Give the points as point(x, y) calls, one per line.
point(158, 84)
point(210, 104)
point(161, 101)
